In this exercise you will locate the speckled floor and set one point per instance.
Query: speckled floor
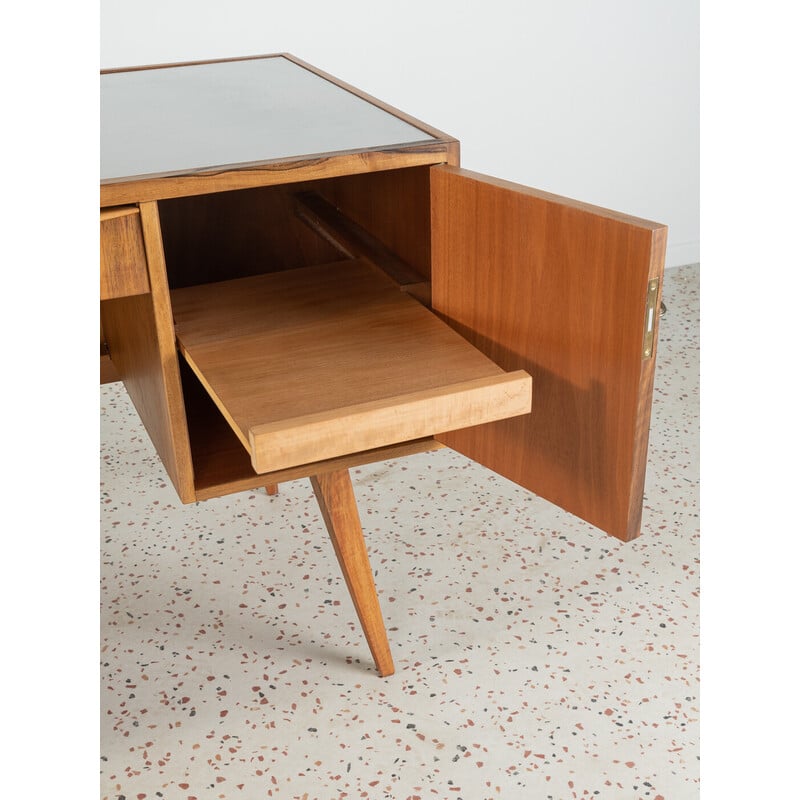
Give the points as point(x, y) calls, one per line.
point(536, 657)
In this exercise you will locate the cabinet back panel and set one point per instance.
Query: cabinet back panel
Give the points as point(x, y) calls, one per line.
point(209, 238)
point(393, 206)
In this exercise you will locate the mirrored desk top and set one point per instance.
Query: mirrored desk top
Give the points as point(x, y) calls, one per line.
point(185, 119)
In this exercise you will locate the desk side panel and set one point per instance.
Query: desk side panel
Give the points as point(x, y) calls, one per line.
point(141, 343)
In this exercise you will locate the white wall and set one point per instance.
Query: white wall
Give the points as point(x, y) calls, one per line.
point(596, 100)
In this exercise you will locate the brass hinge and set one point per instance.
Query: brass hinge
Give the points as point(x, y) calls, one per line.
point(650, 319)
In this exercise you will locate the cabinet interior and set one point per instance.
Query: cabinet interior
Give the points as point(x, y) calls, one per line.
point(300, 321)
point(236, 234)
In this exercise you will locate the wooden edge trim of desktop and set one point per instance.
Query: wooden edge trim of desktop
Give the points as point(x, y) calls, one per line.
point(271, 173)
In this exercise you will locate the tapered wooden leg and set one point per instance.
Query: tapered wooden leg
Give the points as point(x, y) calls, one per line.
point(337, 502)
point(272, 488)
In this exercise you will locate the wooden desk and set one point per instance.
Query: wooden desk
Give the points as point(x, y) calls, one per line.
point(297, 278)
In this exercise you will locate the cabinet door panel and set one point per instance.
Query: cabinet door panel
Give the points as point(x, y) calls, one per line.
point(557, 288)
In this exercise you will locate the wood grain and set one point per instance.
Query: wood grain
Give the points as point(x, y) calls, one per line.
point(398, 418)
point(108, 372)
point(123, 265)
point(235, 234)
point(352, 240)
point(641, 435)
point(334, 493)
point(557, 288)
point(272, 173)
point(168, 65)
point(107, 214)
point(222, 476)
point(222, 466)
point(320, 362)
point(141, 343)
point(394, 206)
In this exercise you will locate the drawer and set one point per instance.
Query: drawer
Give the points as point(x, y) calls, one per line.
point(319, 362)
point(123, 263)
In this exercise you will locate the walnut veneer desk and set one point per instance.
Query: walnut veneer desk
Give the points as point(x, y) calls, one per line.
point(297, 278)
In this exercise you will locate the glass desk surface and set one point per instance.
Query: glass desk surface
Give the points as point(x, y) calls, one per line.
point(191, 118)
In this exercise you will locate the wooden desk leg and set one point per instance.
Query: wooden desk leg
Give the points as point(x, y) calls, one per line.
point(272, 488)
point(337, 502)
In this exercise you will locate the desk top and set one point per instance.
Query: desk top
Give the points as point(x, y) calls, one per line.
point(193, 118)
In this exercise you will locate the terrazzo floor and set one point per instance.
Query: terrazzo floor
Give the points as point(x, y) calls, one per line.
point(536, 657)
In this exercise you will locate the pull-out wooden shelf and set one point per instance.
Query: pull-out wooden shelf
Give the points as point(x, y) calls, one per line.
point(323, 361)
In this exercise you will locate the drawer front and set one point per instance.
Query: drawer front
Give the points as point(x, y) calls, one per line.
point(123, 264)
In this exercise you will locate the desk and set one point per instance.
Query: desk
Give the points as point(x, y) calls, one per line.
point(297, 279)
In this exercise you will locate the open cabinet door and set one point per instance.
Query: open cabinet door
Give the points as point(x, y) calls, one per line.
point(570, 293)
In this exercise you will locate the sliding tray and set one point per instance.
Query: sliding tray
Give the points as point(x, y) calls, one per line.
point(325, 361)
